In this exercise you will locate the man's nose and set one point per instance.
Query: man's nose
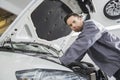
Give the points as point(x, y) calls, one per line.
point(73, 25)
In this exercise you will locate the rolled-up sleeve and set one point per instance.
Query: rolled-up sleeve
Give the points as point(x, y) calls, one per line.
point(89, 35)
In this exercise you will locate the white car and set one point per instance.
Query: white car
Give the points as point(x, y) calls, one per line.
point(31, 46)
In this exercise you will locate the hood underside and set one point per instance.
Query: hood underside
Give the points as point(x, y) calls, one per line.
point(41, 19)
point(48, 18)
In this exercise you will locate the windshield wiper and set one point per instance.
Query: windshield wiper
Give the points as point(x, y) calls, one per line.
point(14, 49)
point(8, 47)
point(42, 55)
point(32, 44)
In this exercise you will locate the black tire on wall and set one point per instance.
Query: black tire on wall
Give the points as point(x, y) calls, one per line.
point(112, 9)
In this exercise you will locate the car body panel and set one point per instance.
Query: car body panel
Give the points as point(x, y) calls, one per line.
point(12, 62)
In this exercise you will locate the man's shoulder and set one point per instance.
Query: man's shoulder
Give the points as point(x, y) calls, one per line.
point(89, 22)
point(94, 24)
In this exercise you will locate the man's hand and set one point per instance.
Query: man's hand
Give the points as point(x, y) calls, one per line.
point(82, 67)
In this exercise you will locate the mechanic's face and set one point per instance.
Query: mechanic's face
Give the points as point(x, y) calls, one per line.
point(75, 23)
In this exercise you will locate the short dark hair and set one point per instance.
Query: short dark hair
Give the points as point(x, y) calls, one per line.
point(69, 15)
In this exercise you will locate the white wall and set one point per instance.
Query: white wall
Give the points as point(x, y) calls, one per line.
point(99, 15)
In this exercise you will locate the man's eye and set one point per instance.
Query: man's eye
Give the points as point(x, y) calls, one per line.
point(74, 21)
point(70, 25)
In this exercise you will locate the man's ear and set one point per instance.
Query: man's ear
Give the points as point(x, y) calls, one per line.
point(81, 18)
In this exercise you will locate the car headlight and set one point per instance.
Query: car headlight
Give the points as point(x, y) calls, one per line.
point(47, 74)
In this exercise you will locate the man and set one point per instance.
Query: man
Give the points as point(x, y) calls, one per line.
point(102, 47)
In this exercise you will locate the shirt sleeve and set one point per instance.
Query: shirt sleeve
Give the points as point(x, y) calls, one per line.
point(89, 35)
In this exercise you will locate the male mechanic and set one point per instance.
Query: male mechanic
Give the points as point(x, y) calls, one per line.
point(102, 47)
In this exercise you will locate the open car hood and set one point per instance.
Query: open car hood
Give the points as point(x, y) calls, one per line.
point(41, 21)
